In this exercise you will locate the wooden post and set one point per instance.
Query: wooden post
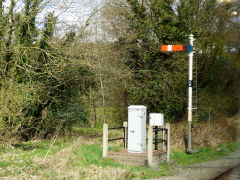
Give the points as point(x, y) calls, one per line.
point(105, 140)
point(125, 125)
point(163, 137)
point(168, 141)
point(150, 146)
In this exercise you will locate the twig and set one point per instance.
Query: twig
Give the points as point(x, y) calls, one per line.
point(50, 146)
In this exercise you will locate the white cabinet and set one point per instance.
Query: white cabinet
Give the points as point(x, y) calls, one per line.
point(156, 119)
point(137, 128)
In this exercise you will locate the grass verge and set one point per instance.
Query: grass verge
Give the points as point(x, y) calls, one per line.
point(71, 158)
point(205, 153)
point(81, 158)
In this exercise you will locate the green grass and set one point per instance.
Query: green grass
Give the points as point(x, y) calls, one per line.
point(86, 131)
point(87, 155)
point(115, 148)
point(90, 154)
point(5, 164)
point(204, 154)
point(18, 159)
point(147, 172)
point(27, 158)
point(230, 147)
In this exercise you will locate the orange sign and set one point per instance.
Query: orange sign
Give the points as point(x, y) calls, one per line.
point(172, 48)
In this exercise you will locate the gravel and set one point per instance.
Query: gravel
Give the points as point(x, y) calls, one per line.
point(233, 174)
point(209, 170)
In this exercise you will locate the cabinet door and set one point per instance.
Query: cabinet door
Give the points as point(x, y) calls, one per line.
point(134, 130)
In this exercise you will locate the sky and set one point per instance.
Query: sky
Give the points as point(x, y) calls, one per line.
point(70, 13)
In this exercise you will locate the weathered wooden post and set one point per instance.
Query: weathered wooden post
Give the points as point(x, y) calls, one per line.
point(150, 146)
point(105, 140)
point(163, 137)
point(168, 141)
point(125, 125)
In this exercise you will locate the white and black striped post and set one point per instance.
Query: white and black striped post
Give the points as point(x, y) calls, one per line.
point(190, 89)
point(172, 48)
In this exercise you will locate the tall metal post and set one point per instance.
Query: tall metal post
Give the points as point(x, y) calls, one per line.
point(190, 88)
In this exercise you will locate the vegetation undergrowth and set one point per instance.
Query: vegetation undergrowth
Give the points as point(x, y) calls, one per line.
point(69, 157)
point(81, 157)
point(89, 155)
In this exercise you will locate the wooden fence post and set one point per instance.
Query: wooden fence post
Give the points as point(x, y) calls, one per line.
point(125, 125)
point(168, 141)
point(163, 137)
point(105, 140)
point(150, 146)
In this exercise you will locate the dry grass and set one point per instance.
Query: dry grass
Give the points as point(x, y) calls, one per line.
point(222, 130)
point(96, 172)
point(58, 165)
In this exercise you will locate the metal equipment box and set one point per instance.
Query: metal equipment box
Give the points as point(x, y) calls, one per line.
point(137, 128)
point(156, 119)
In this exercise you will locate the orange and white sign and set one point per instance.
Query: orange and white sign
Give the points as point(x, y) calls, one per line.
point(168, 48)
